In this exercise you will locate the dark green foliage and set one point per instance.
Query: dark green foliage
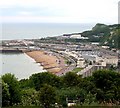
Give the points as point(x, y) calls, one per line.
point(25, 83)
point(98, 33)
point(13, 87)
point(100, 29)
point(107, 84)
point(87, 85)
point(5, 94)
point(105, 79)
point(71, 79)
point(30, 97)
point(46, 89)
point(114, 39)
point(47, 96)
point(70, 94)
point(38, 80)
point(105, 35)
point(118, 38)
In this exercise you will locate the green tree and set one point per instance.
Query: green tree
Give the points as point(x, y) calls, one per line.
point(5, 94)
point(90, 99)
point(71, 94)
point(38, 80)
point(30, 97)
point(71, 79)
point(104, 79)
point(100, 28)
point(107, 83)
point(47, 96)
point(13, 86)
point(25, 84)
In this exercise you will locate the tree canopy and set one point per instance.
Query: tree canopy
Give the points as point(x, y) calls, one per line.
point(46, 89)
point(47, 96)
point(11, 88)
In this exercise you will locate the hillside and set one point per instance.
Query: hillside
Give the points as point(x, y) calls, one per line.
point(104, 34)
point(108, 35)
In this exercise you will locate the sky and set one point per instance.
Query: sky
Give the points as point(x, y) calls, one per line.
point(59, 11)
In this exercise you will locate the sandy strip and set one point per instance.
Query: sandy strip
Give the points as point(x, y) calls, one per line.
point(48, 61)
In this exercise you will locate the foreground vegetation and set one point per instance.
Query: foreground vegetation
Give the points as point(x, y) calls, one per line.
point(48, 90)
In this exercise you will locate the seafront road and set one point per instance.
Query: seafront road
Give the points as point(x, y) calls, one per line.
point(65, 69)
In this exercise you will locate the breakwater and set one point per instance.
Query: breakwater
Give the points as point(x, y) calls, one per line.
point(13, 50)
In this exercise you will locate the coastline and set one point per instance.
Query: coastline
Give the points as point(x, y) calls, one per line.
point(47, 60)
point(19, 64)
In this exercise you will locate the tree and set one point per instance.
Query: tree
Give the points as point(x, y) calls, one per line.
point(107, 83)
point(104, 79)
point(39, 79)
point(30, 97)
point(71, 79)
point(5, 94)
point(25, 84)
point(13, 87)
point(47, 96)
point(72, 94)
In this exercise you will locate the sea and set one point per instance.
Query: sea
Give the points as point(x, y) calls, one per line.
point(21, 65)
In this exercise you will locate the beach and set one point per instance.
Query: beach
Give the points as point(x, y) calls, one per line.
point(50, 62)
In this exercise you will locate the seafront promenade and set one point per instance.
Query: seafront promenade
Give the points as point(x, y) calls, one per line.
point(50, 61)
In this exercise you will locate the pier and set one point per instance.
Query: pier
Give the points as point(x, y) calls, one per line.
point(14, 50)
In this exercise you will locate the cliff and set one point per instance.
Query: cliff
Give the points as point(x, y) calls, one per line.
point(104, 34)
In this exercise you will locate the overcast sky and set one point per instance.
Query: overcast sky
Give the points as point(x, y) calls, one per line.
point(60, 11)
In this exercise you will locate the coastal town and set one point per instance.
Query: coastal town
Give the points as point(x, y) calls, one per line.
point(59, 56)
point(82, 68)
point(60, 53)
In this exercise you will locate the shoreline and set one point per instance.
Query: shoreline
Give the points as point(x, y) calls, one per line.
point(21, 65)
point(49, 61)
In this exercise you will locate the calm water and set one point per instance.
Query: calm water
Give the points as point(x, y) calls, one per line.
point(19, 64)
point(38, 30)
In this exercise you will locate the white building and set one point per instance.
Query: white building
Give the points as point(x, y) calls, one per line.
point(72, 53)
point(92, 58)
point(105, 47)
point(81, 62)
point(78, 36)
point(113, 60)
point(102, 63)
point(95, 43)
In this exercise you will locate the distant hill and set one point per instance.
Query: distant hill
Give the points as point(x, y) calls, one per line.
point(104, 34)
point(108, 35)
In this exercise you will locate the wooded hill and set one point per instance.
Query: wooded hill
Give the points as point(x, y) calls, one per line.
point(104, 34)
